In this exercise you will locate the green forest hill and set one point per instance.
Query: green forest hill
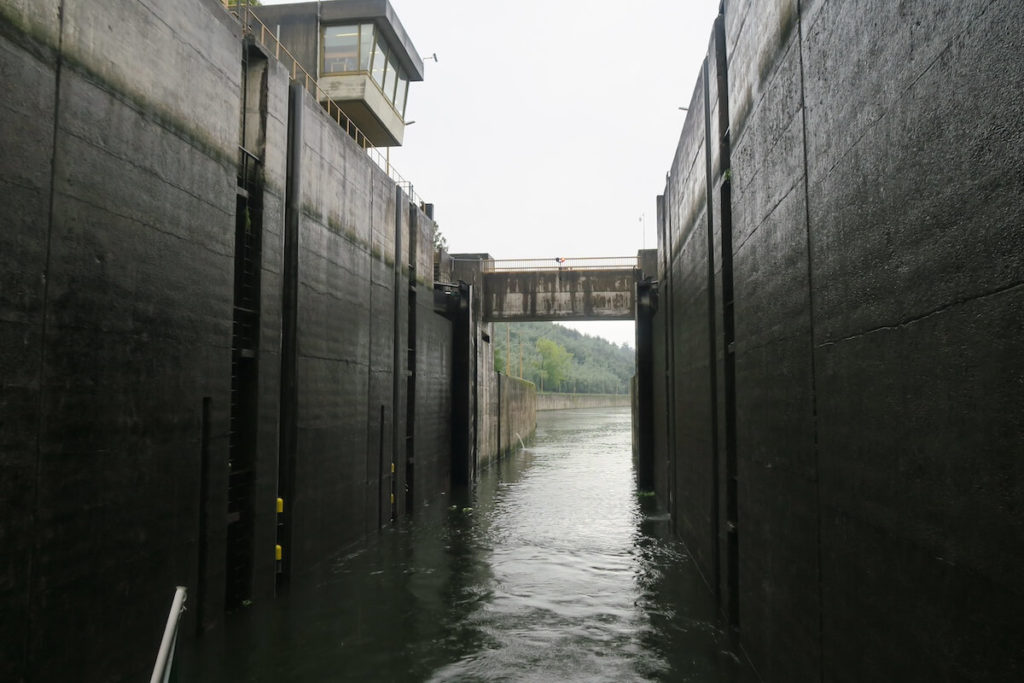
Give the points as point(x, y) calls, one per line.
point(556, 358)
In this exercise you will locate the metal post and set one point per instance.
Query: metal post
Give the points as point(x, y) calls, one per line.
point(165, 656)
point(396, 352)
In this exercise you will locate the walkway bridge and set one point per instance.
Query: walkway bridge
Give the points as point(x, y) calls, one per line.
point(476, 288)
point(526, 290)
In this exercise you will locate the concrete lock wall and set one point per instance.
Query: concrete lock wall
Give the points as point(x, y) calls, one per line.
point(506, 411)
point(352, 426)
point(176, 353)
point(115, 321)
point(572, 401)
point(838, 337)
point(516, 414)
point(499, 403)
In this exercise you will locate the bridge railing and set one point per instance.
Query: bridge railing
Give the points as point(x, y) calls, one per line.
point(559, 263)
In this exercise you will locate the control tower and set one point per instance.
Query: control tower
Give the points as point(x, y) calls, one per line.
point(361, 55)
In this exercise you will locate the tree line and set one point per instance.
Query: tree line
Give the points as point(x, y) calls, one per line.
point(556, 358)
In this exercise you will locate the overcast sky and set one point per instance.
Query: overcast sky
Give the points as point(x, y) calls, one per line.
point(546, 127)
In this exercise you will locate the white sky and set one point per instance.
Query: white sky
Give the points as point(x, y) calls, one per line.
point(546, 127)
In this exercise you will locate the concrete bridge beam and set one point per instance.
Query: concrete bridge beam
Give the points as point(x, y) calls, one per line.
point(566, 294)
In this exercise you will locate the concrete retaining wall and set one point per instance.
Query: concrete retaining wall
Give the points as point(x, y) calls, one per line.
point(124, 437)
point(508, 412)
point(570, 401)
point(502, 406)
point(839, 326)
point(517, 413)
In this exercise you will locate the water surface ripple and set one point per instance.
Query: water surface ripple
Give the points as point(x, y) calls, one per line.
point(550, 571)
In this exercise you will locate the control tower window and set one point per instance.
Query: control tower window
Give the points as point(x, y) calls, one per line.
point(389, 79)
point(347, 48)
point(357, 48)
point(341, 48)
point(403, 85)
point(379, 64)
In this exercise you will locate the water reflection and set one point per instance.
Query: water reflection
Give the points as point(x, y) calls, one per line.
point(549, 571)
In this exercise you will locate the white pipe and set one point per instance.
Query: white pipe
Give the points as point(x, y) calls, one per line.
point(162, 667)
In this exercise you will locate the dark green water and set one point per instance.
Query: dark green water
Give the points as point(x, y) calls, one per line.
point(549, 571)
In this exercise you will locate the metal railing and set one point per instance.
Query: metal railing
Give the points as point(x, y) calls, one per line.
point(559, 263)
point(165, 656)
point(260, 33)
